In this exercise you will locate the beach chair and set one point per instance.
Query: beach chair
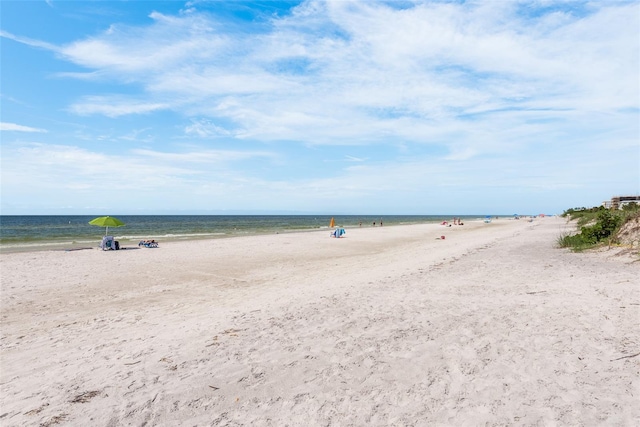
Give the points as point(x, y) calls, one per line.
point(338, 232)
point(108, 243)
point(148, 243)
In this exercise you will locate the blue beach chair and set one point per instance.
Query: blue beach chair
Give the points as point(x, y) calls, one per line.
point(148, 243)
point(339, 232)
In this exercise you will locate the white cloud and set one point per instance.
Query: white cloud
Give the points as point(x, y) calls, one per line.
point(215, 179)
point(343, 72)
point(138, 135)
point(60, 174)
point(19, 128)
point(354, 159)
point(201, 156)
point(484, 92)
point(164, 44)
point(28, 41)
point(114, 106)
point(205, 128)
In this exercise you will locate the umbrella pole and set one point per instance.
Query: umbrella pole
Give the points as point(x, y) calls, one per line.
point(106, 231)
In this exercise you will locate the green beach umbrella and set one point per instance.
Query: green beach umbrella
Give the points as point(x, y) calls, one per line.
point(106, 221)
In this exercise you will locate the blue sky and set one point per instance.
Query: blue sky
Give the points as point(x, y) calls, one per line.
point(332, 107)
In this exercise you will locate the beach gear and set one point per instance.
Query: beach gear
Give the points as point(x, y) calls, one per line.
point(109, 243)
point(148, 243)
point(332, 223)
point(339, 232)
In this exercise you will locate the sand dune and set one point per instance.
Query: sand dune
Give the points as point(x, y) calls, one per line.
point(388, 326)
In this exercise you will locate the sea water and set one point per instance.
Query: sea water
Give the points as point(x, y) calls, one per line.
point(36, 232)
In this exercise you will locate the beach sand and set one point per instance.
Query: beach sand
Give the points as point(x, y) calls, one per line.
point(388, 326)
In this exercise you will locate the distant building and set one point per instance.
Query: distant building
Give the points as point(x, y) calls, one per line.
point(618, 202)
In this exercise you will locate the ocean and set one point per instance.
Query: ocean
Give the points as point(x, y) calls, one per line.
point(59, 232)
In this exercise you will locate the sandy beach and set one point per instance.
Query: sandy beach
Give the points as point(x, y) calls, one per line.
point(492, 325)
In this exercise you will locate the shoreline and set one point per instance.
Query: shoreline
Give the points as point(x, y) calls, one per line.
point(128, 240)
point(389, 325)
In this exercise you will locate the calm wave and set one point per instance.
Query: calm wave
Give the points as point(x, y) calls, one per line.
point(26, 233)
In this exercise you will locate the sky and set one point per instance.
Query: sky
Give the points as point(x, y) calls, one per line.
point(318, 107)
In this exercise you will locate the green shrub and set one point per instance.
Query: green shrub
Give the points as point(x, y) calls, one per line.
point(606, 224)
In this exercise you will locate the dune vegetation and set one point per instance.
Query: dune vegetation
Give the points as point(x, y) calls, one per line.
point(600, 226)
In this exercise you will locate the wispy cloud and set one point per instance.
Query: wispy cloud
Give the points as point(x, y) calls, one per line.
point(19, 128)
point(367, 70)
point(205, 128)
point(202, 156)
point(396, 98)
point(61, 169)
point(28, 41)
point(355, 159)
point(114, 106)
point(359, 67)
point(167, 43)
